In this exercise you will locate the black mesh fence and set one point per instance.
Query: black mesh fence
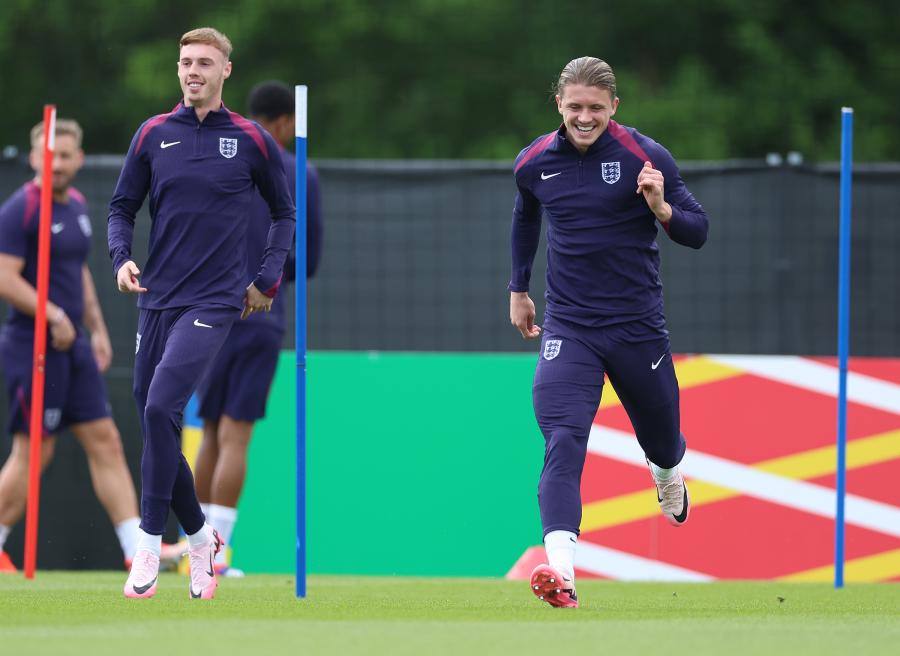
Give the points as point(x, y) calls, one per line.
point(416, 257)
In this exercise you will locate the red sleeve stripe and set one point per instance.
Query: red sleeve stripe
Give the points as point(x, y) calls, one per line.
point(251, 130)
point(32, 202)
point(622, 135)
point(536, 150)
point(274, 288)
point(77, 195)
point(152, 123)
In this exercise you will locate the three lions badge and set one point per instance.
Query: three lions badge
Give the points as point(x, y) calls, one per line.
point(551, 348)
point(228, 147)
point(611, 172)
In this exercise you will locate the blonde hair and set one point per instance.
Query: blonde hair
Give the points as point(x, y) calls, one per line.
point(208, 36)
point(63, 126)
point(588, 71)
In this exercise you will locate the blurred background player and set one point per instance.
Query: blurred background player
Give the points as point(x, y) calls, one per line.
point(75, 395)
point(233, 395)
point(604, 188)
point(202, 167)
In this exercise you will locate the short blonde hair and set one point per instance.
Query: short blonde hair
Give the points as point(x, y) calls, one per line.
point(63, 126)
point(208, 36)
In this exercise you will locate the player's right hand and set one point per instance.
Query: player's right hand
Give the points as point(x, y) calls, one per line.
point(127, 279)
point(62, 332)
point(521, 315)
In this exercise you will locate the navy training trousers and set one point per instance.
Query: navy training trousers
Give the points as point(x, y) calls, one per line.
point(174, 349)
point(568, 382)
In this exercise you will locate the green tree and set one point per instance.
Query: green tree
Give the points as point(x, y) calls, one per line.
point(466, 78)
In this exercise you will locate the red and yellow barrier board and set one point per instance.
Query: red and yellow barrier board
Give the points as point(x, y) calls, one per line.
point(761, 473)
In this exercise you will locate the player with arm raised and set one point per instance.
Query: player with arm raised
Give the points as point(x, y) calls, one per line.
point(605, 190)
point(202, 166)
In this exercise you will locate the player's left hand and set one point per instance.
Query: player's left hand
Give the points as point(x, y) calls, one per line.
point(255, 301)
point(651, 183)
point(102, 348)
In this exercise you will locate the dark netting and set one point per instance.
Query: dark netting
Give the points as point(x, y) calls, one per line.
point(416, 257)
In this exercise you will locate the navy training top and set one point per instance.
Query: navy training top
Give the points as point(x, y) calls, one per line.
point(70, 243)
point(602, 256)
point(201, 178)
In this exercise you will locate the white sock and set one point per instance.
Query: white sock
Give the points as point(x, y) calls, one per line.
point(560, 548)
point(147, 542)
point(199, 538)
point(663, 474)
point(4, 533)
point(205, 508)
point(222, 518)
point(127, 531)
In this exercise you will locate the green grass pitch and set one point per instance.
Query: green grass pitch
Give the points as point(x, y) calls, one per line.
point(84, 613)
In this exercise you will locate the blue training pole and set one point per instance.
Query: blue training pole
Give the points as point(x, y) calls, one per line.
point(300, 94)
point(843, 337)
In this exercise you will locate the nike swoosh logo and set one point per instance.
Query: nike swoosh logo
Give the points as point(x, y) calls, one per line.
point(212, 571)
point(200, 324)
point(654, 365)
point(544, 176)
point(163, 144)
point(141, 589)
point(57, 228)
point(684, 511)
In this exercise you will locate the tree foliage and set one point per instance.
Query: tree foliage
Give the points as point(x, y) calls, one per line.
point(472, 79)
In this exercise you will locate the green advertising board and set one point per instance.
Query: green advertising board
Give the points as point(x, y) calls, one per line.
point(418, 464)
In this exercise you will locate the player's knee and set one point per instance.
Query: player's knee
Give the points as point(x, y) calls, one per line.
point(20, 454)
point(565, 451)
point(48, 448)
point(156, 413)
point(102, 439)
point(566, 439)
point(235, 435)
point(110, 443)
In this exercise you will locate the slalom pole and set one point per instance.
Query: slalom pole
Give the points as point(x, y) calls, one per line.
point(36, 422)
point(843, 337)
point(300, 101)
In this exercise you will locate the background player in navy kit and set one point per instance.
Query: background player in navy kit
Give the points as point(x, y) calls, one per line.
point(202, 166)
point(233, 394)
point(75, 392)
point(604, 187)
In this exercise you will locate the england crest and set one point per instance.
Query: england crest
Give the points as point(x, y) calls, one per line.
point(227, 147)
point(611, 172)
point(85, 224)
point(551, 348)
point(51, 418)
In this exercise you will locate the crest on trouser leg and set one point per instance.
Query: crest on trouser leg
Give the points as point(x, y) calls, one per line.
point(551, 348)
point(52, 417)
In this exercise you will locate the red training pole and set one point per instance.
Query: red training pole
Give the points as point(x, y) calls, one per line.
point(36, 424)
